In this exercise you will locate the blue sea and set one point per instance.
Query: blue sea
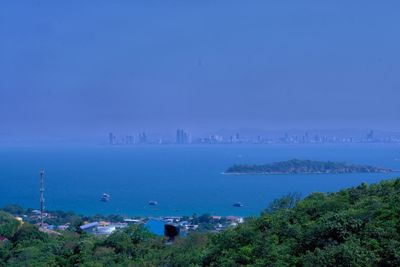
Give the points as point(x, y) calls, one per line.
point(183, 179)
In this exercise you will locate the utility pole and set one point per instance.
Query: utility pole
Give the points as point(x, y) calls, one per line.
point(41, 197)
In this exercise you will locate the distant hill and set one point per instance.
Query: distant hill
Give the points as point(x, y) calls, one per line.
point(297, 166)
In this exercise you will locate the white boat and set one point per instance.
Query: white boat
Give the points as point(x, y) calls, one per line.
point(105, 197)
point(153, 203)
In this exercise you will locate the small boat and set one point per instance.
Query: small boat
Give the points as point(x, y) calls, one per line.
point(153, 203)
point(105, 197)
point(237, 205)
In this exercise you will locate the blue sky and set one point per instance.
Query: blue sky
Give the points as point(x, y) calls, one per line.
point(71, 68)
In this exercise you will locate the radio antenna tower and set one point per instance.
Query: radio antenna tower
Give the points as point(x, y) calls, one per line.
point(41, 197)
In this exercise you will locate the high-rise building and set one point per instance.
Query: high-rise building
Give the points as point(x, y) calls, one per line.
point(130, 140)
point(111, 139)
point(370, 136)
point(183, 137)
point(142, 138)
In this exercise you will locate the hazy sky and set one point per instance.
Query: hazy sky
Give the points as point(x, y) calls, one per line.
point(82, 67)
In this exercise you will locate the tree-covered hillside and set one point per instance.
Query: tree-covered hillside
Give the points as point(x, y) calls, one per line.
point(359, 226)
point(295, 166)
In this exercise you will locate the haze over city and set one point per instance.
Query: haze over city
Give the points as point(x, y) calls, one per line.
point(77, 70)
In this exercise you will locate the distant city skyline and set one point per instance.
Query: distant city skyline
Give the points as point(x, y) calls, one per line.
point(184, 137)
point(222, 135)
point(77, 70)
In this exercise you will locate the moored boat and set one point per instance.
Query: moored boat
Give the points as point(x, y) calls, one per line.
point(153, 203)
point(237, 205)
point(105, 197)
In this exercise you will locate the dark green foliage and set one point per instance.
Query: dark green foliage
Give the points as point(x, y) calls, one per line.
point(354, 227)
point(13, 209)
point(28, 233)
point(8, 225)
point(287, 202)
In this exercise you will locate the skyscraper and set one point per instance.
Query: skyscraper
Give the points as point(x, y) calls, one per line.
point(130, 140)
point(142, 138)
point(370, 136)
point(182, 137)
point(111, 139)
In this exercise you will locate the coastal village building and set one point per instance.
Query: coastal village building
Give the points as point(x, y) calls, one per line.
point(3, 239)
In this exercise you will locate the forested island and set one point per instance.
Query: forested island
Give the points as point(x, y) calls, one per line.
point(358, 226)
point(297, 166)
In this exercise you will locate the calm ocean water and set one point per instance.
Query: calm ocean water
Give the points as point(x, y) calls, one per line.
point(183, 179)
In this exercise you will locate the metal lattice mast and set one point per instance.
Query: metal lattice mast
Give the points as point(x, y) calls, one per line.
point(41, 197)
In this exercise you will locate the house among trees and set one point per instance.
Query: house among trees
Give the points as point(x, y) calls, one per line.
point(3, 239)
